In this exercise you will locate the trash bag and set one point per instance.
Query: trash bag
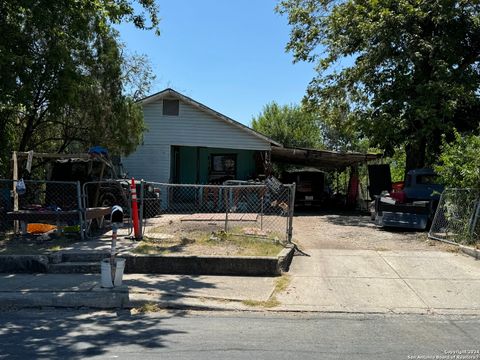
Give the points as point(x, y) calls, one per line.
point(20, 187)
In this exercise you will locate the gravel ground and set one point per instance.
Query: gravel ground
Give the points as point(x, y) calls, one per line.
point(356, 231)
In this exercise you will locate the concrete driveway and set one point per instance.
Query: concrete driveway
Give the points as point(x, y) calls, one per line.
point(355, 267)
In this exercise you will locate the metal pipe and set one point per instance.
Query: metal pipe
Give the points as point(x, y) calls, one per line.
point(262, 208)
point(80, 210)
point(142, 204)
point(290, 211)
point(226, 210)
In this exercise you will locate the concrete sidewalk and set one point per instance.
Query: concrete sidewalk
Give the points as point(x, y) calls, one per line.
point(172, 291)
point(383, 281)
point(332, 280)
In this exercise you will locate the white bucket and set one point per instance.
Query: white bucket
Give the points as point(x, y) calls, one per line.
point(106, 273)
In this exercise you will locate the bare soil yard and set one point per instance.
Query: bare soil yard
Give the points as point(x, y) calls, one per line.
point(34, 245)
point(170, 235)
point(356, 231)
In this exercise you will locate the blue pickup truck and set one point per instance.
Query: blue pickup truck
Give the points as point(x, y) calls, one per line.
point(412, 207)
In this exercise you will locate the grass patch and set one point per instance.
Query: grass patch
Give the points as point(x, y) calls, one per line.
point(234, 243)
point(152, 246)
point(245, 245)
point(147, 248)
point(281, 285)
point(270, 303)
point(453, 249)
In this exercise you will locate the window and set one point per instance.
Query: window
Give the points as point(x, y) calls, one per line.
point(429, 179)
point(170, 107)
point(224, 165)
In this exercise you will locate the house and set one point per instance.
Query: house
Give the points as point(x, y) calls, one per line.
point(189, 143)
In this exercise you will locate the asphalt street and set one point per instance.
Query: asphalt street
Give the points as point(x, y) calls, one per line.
point(76, 334)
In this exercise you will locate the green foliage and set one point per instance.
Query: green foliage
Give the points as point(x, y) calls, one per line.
point(64, 77)
point(397, 165)
point(459, 162)
point(291, 126)
point(407, 69)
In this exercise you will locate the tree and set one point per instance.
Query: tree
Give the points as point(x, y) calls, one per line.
point(408, 69)
point(289, 125)
point(63, 75)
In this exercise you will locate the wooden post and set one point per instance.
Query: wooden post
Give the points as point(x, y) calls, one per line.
point(14, 190)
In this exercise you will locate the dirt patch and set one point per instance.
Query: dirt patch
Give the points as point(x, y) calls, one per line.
point(35, 244)
point(357, 232)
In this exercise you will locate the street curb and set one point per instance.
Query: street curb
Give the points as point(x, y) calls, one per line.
point(470, 251)
point(92, 299)
point(116, 298)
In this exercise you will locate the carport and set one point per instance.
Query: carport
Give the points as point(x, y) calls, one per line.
point(323, 160)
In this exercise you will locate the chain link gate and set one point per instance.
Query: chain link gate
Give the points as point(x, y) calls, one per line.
point(457, 217)
point(237, 208)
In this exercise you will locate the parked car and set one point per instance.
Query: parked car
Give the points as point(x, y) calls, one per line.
point(310, 186)
point(412, 206)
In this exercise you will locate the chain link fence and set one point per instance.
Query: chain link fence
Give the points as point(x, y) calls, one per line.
point(166, 211)
point(98, 198)
point(40, 207)
point(457, 217)
point(239, 209)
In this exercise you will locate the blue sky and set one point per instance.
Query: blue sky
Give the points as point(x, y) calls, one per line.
point(226, 54)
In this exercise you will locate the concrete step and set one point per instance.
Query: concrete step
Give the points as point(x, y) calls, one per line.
point(84, 256)
point(75, 267)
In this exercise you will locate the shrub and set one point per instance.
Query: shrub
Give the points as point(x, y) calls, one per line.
point(459, 162)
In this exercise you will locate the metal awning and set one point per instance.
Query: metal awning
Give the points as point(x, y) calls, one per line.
point(322, 159)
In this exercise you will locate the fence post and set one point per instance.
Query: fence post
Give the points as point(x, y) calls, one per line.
point(291, 207)
point(226, 209)
point(262, 199)
point(14, 190)
point(476, 214)
point(81, 210)
point(436, 217)
point(142, 204)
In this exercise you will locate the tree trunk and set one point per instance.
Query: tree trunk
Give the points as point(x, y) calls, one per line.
point(27, 134)
point(415, 154)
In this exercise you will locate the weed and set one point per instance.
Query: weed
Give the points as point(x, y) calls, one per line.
point(147, 308)
point(150, 248)
point(270, 303)
point(55, 248)
point(281, 285)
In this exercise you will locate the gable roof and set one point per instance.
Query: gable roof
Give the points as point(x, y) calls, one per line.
point(175, 94)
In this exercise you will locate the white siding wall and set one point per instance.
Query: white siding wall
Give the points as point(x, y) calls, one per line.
point(191, 127)
point(149, 162)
